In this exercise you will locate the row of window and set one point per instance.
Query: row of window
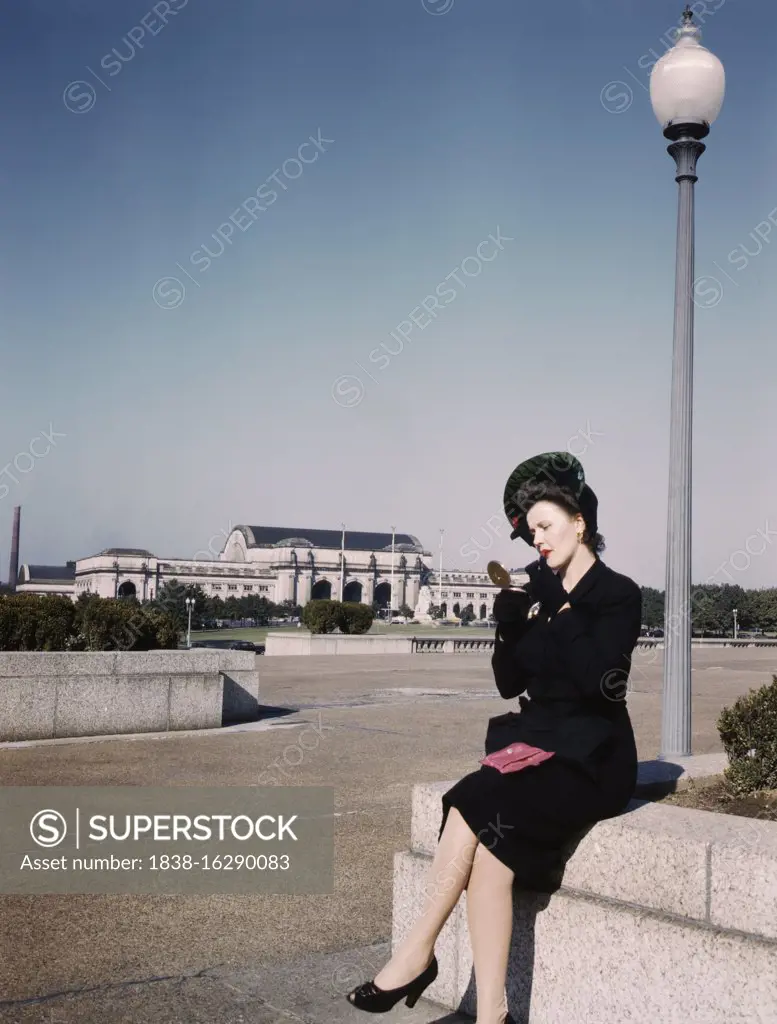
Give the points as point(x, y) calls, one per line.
point(204, 570)
point(246, 587)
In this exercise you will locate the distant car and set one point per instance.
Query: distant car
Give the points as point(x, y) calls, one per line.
point(245, 645)
point(229, 645)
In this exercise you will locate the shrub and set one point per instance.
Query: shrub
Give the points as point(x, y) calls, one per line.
point(748, 731)
point(111, 624)
point(166, 629)
point(35, 622)
point(355, 617)
point(321, 616)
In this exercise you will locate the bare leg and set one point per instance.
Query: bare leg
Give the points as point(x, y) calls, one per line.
point(445, 882)
point(490, 920)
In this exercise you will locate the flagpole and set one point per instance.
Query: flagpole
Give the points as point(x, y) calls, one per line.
point(439, 581)
point(391, 602)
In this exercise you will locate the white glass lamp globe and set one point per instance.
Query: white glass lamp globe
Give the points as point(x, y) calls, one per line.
point(688, 83)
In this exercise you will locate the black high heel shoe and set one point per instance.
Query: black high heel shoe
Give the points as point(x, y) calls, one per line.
point(377, 1000)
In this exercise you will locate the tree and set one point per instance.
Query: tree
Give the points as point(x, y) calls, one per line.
point(467, 615)
point(214, 610)
point(257, 608)
point(711, 608)
point(652, 607)
point(759, 610)
point(287, 610)
point(407, 611)
point(171, 598)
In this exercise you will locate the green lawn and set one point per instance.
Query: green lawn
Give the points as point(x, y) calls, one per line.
point(259, 634)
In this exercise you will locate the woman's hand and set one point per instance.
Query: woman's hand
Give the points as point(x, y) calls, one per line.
point(546, 586)
point(511, 606)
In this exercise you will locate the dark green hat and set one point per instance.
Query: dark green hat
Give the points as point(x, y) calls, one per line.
point(560, 468)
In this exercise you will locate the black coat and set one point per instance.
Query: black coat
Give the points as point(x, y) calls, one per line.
point(574, 667)
point(570, 674)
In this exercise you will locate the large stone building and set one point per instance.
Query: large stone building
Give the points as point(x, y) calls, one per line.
point(47, 579)
point(281, 564)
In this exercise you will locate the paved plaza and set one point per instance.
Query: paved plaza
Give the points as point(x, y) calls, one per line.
point(384, 723)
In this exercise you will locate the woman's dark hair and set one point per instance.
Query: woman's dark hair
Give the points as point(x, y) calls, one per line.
point(542, 490)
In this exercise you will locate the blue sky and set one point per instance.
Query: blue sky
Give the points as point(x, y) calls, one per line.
point(254, 388)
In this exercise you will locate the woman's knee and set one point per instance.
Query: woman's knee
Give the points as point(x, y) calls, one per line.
point(485, 863)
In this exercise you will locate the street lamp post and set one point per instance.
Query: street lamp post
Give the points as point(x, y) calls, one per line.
point(190, 609)
point(686, 90)
point(391, 602)
point(342, 559)
point(735, 624)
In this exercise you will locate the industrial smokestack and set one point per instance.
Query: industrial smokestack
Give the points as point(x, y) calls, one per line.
point(13, 565)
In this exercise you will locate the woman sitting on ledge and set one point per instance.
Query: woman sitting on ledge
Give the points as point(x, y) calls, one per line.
point(566, 641)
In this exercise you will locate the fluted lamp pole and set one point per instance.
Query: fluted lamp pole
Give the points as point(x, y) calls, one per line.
point(189, 608)
point(686, 90)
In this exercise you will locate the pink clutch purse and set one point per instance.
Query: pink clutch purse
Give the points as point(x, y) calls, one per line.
point(515, 757)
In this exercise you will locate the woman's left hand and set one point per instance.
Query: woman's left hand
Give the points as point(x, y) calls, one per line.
point(564, 607)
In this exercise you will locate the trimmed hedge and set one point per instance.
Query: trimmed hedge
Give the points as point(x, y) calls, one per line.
point(31, 622)
point(355, 617)
point(46, 622)
point(321, 616)
point(748, 731)
point(327, 616)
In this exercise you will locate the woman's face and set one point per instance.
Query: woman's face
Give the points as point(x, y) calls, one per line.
point(554, 532)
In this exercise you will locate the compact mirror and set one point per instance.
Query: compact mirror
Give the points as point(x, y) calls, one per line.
point(498, 575)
